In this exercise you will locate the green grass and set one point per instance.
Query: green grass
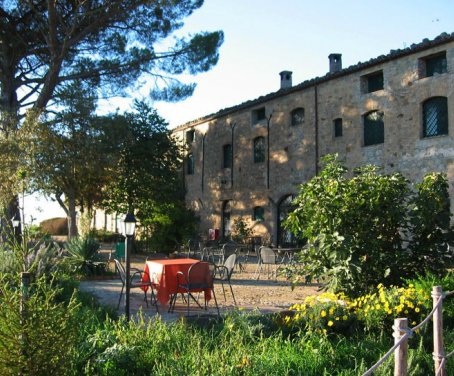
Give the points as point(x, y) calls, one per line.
point(97, 343)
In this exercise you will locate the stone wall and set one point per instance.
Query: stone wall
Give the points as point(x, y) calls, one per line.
point(295, 150)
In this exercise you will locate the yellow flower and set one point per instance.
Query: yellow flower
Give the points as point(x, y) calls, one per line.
point(323, 313)
point(345, 317)
point(330, 323)
point(417, 309)
point(331, 310)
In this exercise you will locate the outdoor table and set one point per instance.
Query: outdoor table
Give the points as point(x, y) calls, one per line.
point(163, 274)
point(286, 254)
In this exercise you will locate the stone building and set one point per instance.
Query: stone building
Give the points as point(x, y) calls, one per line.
point(395, 111)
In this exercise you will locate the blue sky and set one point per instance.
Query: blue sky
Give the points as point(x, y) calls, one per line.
point(264, 37)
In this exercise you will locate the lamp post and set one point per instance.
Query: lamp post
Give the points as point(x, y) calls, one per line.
point(130, 228)
point(16, 223)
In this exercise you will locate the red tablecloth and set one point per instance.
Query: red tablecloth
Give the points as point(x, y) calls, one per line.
point(163, 274)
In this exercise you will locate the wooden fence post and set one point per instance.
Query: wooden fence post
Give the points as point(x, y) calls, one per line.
point(439, 352)
point(401, 352)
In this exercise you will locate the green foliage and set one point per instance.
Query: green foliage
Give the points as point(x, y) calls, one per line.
point(166, 226)
point(35, 232)
point(104, 236)
point(430, 227)
point(83, 257)
point(370, 228)
point(38, 257)
point(113, 46)
point(43, 340)
point(146, 159)
point(241, 231)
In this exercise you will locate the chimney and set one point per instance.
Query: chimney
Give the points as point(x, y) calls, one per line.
point(335, 63)
point(286, 79)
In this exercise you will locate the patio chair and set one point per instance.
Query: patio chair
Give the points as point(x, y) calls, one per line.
point(267, 261)
point(194, 249)
point(200, 277)
point(228, 249)
point(136, 281)
point(224, 273)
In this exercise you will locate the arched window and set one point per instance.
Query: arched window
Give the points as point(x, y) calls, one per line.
point(374, 128)
point(190, 164)
point(285, 237)
point(226, 223)
point(435, 117)
point(259, 149)
point(297, 116)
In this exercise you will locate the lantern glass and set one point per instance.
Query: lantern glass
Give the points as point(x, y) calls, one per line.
point(130, 224)
point(16, 221)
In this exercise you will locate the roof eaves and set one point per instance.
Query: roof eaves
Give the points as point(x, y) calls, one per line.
point(393, 54)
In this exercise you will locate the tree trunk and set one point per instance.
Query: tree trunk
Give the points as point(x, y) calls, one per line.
point(71, 213)
point(72, 220)
point(86, 220)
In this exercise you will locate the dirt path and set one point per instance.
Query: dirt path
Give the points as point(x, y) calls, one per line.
point(266, 295)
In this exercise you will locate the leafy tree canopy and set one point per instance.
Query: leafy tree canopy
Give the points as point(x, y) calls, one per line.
point(47, 44)
point(146, 160)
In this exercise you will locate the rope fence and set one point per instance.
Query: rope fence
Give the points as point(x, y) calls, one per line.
point(401, 334)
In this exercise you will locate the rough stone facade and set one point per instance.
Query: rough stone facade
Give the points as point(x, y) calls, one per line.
point(292, 152)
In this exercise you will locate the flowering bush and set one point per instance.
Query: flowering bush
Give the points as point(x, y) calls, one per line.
point(336, 313)
point(325, 313)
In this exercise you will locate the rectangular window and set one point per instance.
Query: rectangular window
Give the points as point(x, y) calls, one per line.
point(227, 156)
point(297, 116)
point(432, 65)
point(337, 127)
point(190, 136)
point(373, 82)
point(259, 150)
point(259, 214)
point(258, 115)
point(435, 117)
point(374, 129)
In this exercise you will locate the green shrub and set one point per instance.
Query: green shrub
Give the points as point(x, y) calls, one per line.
point(105, 236)
point(44, 339)
point(36, 256)
point(336, 313)
point(371, 228)
point(83, 257)
point(55, 226)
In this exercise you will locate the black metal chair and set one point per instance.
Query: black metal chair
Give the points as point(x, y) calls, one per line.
point(224, 273)
point(200, 277)
point(136, 280)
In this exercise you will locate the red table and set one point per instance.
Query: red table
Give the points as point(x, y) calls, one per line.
point(163, 274)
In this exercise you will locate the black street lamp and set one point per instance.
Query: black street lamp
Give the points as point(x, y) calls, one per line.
point(16, 223)
point(130, 228)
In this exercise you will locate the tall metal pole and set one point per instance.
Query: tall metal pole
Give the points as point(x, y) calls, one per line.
point(128, 273)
